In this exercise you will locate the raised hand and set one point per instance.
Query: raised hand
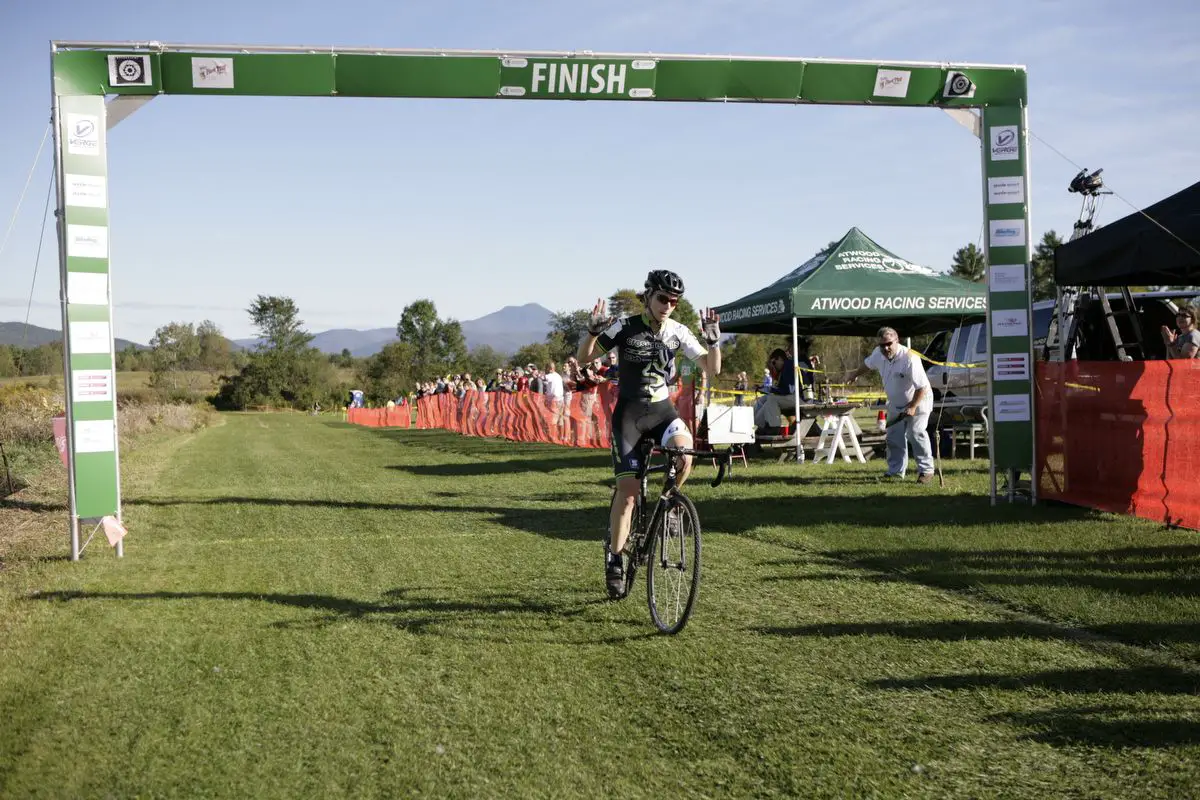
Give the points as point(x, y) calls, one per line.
point(710, 328)
point(599, 320)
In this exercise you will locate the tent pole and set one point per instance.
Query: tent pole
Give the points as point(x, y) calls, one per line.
point(796, 390)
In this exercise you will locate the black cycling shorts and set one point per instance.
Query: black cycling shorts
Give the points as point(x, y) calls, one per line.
point(634, 419)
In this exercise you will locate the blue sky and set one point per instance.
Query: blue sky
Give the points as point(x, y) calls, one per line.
point(357, 207)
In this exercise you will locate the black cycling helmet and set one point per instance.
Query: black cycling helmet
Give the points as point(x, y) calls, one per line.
point(664, 280)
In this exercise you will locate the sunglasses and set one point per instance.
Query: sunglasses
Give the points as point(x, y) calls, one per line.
point(666, 299)
point(887, 344)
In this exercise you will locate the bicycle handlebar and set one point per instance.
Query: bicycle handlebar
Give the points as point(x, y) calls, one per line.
point(723, 457)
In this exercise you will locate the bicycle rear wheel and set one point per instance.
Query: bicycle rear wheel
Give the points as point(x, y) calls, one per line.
point(673, 568)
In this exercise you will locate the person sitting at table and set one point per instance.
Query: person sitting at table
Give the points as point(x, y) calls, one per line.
point(780, 397)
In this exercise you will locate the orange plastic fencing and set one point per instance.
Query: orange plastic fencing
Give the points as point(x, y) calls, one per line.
point(1122, 437)
point(397, 417)
point(582, 419)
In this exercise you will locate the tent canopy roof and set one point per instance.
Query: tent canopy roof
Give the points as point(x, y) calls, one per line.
point(1134, 251)
point(853, 290)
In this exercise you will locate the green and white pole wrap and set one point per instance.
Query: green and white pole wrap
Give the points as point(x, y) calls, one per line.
point(89, 381)
point(1010, 338)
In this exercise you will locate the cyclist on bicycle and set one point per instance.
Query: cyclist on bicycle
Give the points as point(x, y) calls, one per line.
point(646, 345)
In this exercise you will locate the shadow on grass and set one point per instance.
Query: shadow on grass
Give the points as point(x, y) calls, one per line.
point(1105, 726)
point(584, 522)
point(1168, 570)
point(401, 608)
point(1097, 680)
point(32, 505)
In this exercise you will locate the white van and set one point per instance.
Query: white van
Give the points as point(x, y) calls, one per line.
point(969, 344)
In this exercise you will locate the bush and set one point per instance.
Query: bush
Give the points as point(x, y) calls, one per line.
point(26, 412)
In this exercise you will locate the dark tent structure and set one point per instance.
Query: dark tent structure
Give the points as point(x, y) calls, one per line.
point(853, 290)
point(1136, 250)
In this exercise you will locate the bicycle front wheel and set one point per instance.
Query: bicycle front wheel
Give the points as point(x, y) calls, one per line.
point(673, 569)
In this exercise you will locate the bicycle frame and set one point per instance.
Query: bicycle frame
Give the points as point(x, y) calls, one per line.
point(641, 522)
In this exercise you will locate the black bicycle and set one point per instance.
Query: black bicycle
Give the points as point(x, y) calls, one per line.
point(666, 539)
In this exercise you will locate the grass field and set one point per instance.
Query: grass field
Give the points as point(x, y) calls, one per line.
point(310, 609)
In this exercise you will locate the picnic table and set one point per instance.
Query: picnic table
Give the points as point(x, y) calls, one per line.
point(833, 422)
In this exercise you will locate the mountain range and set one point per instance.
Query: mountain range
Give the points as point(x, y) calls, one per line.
point(16, 333)
point(505, 331)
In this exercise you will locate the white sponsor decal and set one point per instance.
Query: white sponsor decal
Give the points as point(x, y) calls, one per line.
point(1011, 408)
point(878, 262)
point(759, 310)
point(1005, 146)
point(1006, 190)
point(95, 436)
point(87, 241)
point(86, 191)
point(892, 82)
point(88, 288)
point(899, 303)
point(212, 73)
point(90, 337)
point(1007, 277)
point(1010, 367)
point(1006, 232)
point(91, 385)
point(83, 135)
point(1010, 322)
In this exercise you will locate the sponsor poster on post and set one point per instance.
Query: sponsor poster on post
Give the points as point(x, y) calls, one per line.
point(90, 337)
point(1010, 367)
point(91, 385)
point(1007, 278)
point(1010, 322)
point(95, 436)
point(1011, 408)
point(89, 288)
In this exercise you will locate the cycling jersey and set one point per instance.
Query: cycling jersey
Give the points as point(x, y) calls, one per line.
point(647, 358)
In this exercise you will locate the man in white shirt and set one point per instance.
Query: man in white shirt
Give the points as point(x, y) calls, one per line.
point(909, 396)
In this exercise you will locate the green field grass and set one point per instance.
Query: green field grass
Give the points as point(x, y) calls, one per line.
point(311, 609)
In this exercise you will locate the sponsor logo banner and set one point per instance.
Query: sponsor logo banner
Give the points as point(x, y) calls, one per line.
point(1010, 322)
point(1006, 190)
point(87, 288)
point(90, 337)
point(87, 241)
point(1010, 367)
point(95, 436)
point(1006, 232)
point(86, 191)
point(212, 73)
point(83, 135)
point(1004, 143)
point(1011, 408)
point(91, 385)
point(1007, 278)
point(892, 82)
